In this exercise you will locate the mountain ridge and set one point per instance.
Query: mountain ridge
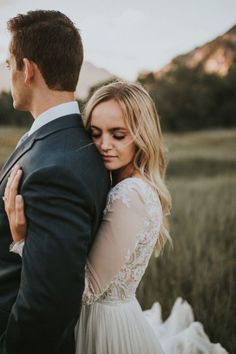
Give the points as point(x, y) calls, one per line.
point(216, 56)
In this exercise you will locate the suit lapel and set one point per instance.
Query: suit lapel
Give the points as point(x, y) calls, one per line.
point(15, 156)
point(48, 129)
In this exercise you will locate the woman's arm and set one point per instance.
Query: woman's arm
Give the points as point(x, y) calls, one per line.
point(14, 206)
point(120, 231)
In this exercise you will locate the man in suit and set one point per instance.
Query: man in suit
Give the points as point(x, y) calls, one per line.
point(64, 186)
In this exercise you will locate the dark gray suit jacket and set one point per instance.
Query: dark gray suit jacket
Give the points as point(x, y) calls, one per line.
point(64, 186)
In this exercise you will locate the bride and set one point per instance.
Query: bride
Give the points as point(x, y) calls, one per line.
point(124, 125)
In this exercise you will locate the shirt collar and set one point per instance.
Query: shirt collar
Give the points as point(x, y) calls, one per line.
point(54, 113)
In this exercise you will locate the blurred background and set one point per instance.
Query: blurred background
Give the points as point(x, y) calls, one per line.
point(184, 53)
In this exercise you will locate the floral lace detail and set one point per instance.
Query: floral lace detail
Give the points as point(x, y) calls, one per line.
point(124, 285)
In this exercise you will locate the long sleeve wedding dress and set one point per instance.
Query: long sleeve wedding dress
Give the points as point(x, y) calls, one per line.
point(111, 319)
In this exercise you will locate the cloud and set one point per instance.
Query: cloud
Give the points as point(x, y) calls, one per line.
point(124, 43)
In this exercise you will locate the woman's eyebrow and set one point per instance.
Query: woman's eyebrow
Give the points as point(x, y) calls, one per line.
point(118, 128)
point(111, 130)
point(94, 127)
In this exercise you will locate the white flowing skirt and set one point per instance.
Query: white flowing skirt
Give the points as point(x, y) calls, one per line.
point(123, 328)
point(115, 328)
point(180, 334)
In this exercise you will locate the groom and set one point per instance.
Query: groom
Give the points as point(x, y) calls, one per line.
point(64, 187)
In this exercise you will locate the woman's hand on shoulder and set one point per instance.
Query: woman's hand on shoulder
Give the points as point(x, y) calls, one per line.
point(14, 206)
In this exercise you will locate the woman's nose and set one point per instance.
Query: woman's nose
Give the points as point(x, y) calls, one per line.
point(105, 143)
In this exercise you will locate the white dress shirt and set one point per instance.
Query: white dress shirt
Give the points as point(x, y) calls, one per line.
point(58, 111)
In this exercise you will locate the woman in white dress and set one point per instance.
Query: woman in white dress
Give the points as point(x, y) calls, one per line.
point(125, 127)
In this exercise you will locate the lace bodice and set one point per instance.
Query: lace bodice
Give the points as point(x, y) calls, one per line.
point(124, 244)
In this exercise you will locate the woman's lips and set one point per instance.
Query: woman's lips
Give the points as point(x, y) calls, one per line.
point(108, 157)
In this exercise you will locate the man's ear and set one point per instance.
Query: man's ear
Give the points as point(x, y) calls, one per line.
point(29, 71)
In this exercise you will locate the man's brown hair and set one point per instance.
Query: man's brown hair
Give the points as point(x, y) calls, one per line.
point(50, 40)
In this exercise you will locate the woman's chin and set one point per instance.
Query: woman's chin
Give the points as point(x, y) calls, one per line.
point(110, 166)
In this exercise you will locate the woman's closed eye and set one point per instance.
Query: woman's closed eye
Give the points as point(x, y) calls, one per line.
point(96, 135)
point(94, 132)
point(118, 136)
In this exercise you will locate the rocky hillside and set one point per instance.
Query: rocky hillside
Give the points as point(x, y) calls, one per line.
point(216, 56)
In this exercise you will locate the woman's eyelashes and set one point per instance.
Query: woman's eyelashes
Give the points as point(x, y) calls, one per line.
point(95, 135)
point(117, 136)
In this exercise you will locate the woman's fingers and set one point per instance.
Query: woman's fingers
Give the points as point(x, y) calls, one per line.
point(20, 215)
point(10, 180)
point(13, 189)
point(14, 206)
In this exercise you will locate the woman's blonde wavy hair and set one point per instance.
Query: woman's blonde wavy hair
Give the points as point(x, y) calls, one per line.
point(143, 123)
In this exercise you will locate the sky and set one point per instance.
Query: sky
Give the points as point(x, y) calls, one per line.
point(126, 37)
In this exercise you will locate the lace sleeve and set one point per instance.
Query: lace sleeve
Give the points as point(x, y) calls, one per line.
point(123, 222)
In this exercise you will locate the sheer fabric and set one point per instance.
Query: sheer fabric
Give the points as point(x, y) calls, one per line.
point(124, 243)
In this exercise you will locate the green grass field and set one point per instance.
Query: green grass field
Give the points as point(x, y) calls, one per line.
point(201, 268)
